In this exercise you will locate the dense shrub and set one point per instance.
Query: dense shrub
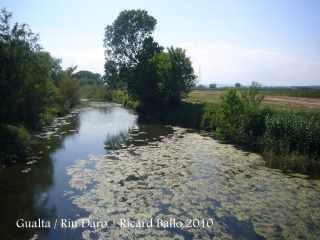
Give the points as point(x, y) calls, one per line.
point(208, 121)
point(15, 143)
point(230, 116)
point(70, 90)
point(124, 99)
point(237, 117)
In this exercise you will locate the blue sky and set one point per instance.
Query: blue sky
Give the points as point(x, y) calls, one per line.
point(274, 42)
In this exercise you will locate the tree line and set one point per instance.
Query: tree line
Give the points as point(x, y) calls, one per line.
point(33, 86)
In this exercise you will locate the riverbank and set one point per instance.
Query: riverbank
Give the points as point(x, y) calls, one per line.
point(287, 140)
point(17, 143)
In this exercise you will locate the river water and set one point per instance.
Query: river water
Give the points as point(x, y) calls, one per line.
point(99, 174)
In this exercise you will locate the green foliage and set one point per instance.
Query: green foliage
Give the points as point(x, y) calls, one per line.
point(124, 39)
point(142, 85)
point(289, 140)
point(208, 121)
point(124, 99)
point(250, 97)
point(294, 132)
point(88, 78)
point(230, 116)
point(70, 90)
point(129, 46)
point(29, 78)
point(236, 117)
point(111, 77)
point(201, 87)
point(138, 65)
point(15, 143)
point(176, 75)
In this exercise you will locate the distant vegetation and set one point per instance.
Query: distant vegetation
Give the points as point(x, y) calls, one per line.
point(302, 92)
point(308, 92)
point(88, 78)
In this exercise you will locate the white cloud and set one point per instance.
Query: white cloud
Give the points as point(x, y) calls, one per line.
point(222, 63)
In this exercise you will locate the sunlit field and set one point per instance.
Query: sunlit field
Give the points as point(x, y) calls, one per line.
point(276, 99)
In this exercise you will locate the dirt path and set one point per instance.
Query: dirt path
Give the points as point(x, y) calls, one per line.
point(293, 101)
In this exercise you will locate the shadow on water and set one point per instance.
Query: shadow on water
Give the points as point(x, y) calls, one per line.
point(138, 135)
point(24, 186)
point(242, 229)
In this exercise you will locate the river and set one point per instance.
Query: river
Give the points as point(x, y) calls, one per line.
point(100, 174)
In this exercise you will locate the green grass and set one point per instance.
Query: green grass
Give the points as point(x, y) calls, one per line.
point(201, 98)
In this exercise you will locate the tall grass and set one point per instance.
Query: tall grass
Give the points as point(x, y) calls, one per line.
point(293, 132)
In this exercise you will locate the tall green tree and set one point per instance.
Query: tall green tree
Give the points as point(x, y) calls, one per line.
point(155, 78)
point(24, 71)
point(124, 39)
point(129, 45)
point(176, 75)
point(111, 76)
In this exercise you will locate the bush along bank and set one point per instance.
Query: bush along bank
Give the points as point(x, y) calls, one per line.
point(15, 143)
point(288, 140)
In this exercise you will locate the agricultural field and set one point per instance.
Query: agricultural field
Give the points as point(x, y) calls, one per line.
point(279, 99)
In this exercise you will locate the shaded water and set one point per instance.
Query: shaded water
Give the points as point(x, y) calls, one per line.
point(99, 174)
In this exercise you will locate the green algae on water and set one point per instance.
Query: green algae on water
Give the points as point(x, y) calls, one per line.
point(187, 176)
